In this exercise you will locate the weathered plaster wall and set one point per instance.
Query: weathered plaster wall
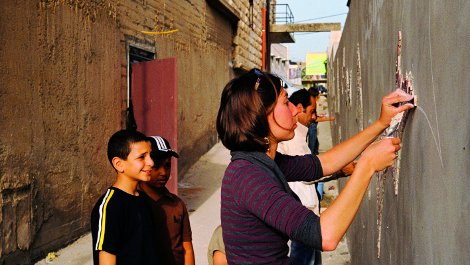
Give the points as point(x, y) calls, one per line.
point(63, 92)
point(59, 102)
point(426, 221)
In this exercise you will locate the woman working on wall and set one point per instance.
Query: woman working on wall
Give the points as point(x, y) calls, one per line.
point(259, 211)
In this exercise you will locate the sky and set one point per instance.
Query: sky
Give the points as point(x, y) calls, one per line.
point(313, 11)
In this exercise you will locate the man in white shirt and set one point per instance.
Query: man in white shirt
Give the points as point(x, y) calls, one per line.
point(298, 145)
point(306, 104)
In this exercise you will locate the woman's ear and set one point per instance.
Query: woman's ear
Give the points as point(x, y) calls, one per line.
point(118, 164)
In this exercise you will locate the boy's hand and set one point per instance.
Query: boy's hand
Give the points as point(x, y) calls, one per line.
point(349, 168)
point(381, 154)
point(389, 110)
point(325, 118)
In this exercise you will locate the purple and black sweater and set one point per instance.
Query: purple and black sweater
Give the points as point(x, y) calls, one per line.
point(260, 213)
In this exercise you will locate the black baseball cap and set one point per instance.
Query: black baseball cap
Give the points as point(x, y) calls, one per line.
point(161, 145)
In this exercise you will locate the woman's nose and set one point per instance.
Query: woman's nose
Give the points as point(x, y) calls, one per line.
point(293, 109)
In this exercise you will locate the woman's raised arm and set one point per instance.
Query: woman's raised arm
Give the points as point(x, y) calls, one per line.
point(345, 152)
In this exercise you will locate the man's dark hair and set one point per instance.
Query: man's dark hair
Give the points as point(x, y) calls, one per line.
point(119, 145)
point(242, 122)
point(313, 91)
point(300, 97)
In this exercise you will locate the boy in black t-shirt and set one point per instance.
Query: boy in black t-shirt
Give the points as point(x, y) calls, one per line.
point(121, 223)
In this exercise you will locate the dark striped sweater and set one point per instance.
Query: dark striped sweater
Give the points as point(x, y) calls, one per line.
point(258, 211)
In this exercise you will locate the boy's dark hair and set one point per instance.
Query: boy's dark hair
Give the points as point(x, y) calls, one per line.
point(300, 97)
point(242, 122)
point(313, 91)
point(119, 145)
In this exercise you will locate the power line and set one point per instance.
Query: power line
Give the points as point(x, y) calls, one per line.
point(336, 15)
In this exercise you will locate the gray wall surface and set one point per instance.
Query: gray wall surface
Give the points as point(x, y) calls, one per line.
point(425, 220)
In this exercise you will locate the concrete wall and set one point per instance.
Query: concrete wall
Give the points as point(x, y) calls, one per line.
point(425, 220)
point(63, 92)
point(279, 60)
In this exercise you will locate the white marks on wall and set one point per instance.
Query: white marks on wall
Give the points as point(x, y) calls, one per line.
point(396, 129)
point(338, 87)
point(436, 135)
point(396, 177)
point(358, 101)
point(340, 138)
point(380, 204)
point(342, 82)
point(348, 88)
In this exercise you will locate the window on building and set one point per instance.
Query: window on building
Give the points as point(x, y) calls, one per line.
point(251, 15)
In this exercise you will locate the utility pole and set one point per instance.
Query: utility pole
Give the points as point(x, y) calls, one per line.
point(268, 36)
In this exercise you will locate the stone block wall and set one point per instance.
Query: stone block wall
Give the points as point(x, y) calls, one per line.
point(419, 213)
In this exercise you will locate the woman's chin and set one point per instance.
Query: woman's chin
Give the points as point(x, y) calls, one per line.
point(288, 137)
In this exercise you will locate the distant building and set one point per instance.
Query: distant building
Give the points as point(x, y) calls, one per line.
point(295, 72)
point(280, 60)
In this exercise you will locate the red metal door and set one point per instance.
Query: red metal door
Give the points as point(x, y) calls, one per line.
point(154, 97)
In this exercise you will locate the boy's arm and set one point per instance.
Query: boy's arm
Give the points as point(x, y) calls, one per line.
point(107, 258)
point(219, 258)
point(325, 118)
point(188, 253)
point(187, 238)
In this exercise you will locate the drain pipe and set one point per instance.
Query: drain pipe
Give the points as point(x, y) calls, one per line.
point(267, 35)
point(263, 39)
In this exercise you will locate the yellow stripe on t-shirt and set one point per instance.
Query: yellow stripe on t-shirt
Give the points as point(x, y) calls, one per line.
point(103, 221)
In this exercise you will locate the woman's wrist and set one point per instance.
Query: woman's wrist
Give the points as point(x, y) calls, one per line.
point(381, 125)
point(364, 165)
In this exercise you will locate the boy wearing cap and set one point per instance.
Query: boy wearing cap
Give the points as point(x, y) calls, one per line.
point(121, 224)
point(170, 216)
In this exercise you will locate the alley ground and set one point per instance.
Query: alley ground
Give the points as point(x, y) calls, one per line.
point(200, 189)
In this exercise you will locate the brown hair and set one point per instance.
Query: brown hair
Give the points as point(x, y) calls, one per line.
point(242, 122)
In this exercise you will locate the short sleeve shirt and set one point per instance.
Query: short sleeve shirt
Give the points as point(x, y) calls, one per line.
point(216, 244)
point(171, 223)
point(121, 224)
